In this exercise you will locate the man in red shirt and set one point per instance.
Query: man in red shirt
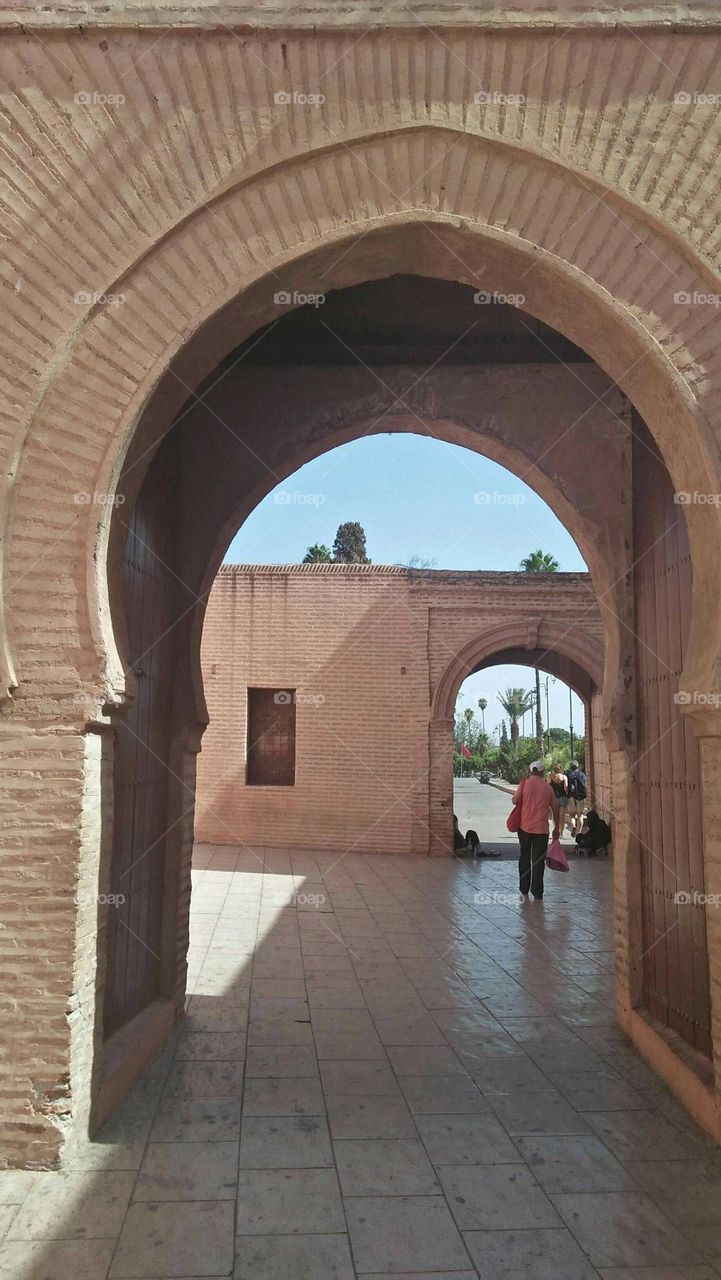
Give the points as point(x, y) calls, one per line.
point(536, 797)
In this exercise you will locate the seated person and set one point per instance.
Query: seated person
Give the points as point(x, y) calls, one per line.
point(596, 835)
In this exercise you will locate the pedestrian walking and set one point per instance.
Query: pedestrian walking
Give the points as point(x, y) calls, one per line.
point(559, 782)
point(535, 799)
point(577, 791)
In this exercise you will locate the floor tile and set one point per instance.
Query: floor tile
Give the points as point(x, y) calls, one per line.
point(72, 1206)
point(537, 1113)
point(14, 1185)
point(205, 1080)
point(301, 1257)
point(466, 1140)
point(600, 1091)
point(188, 1171)
point(286, 1201)
point(422, 1275)
point(442, 1095)
point(56, 1259)
point(205, 1046)
point(283, 1096)
point(175, 1239)
point(403, 1233)
point(209, 1120)
point(352, 1116)
point(574, 1163)
point(659, 1176)
point(349, 1045)
point(284, 1142)
point(364, 1077)
point(528, 1255)
point(384, 1167)
point(281, 1060)
point(624, 1228)
point(8, 1212)
point(496, 1197)
point(631, 1135)
point(659, 1273)
point(425, 1060)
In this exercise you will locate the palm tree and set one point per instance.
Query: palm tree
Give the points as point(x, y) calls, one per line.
point(482, 704)
point(318, 554)
point(539, 719)
point(515, 703)
point(540, 562)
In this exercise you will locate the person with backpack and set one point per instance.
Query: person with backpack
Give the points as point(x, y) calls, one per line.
point(573, 814)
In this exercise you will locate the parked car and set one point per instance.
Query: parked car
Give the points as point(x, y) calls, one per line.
point(484, 776)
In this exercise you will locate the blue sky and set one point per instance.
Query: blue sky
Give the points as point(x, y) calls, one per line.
point(416, 496)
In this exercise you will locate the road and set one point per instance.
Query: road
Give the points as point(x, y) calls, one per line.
point(485, 809)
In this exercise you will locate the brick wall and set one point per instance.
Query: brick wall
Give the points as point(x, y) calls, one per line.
point(366, 649)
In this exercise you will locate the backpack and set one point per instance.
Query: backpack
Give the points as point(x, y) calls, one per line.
point(577, 784)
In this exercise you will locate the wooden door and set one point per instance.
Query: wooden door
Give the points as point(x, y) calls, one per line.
point(667, 771)
point(141, 756)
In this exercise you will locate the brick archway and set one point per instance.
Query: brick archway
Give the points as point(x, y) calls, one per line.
point(582, 650)
point(652, 348)
point(197, 285)
point(538, 639)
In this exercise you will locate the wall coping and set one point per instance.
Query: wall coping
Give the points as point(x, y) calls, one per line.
point(492, 577)
point(315, 15)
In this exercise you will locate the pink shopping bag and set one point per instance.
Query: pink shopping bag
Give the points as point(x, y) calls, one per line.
point(556, 859)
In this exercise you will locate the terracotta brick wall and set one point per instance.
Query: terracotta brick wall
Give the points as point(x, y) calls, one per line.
point(342, 638)
point(365, 649)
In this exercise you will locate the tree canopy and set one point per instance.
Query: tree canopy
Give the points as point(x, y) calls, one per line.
point(318, 554)
point(350, 544)
point(540, 562)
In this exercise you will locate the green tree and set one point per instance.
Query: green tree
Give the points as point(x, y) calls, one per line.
point(540, 562)
point(515, 702)
point(482, 704)
point(504, 734)
point(350, 544)
point(318, 554)
point(559, 737)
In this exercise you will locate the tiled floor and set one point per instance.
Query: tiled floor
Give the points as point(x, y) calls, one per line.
point(390, 1067)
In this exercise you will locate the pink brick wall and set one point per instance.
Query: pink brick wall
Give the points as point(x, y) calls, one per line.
point(365, 648)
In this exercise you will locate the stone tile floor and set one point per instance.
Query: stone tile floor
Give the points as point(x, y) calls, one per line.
point(390, 1067)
